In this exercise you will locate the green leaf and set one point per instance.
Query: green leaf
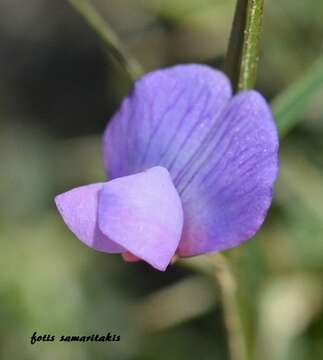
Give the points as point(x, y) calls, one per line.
point(108, 37)
point(291, 104)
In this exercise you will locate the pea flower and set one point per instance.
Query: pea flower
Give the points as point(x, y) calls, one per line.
point(191, 170)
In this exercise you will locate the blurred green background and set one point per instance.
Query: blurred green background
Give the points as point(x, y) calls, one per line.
point(57, 91)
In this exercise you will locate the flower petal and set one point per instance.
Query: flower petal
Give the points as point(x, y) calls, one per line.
point(78, 208)
point(165, 119)
point(227, 189)
point(143, 213)
point(220, 152)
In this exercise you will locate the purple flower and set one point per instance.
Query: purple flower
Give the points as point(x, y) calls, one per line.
point(191, 170)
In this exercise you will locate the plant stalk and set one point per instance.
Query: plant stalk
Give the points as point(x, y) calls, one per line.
point(244, 44)
point(108, 37)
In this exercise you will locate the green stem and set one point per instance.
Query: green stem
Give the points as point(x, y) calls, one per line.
point(108, 37)
point(230, 306)
point(241, 66)
point(217, 267)
point(243, 51)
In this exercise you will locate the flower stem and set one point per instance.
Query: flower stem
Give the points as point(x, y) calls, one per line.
point(230, 308)
point(217, 267)
point(108, 37)
point(243, 51)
